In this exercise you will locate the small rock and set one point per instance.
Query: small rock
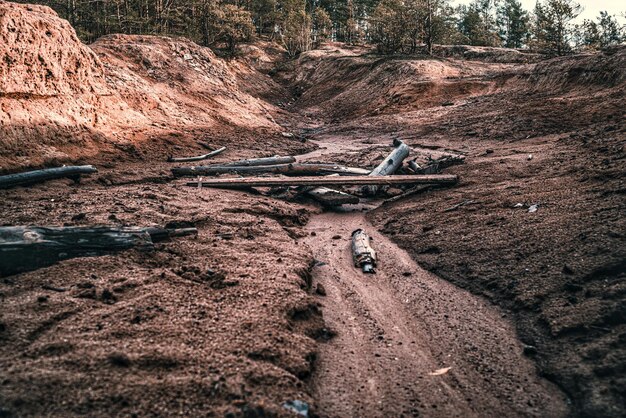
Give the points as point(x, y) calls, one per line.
point(43, 299)
point(573, 287)
point(79, 217)
point(313, 233)
point(287, 134)
point(533, 208)
point(530, 157)
point(299, 407)
point(489, 151)
point(407, 273)
point(336, 236)
point(530, 350)
point(320, 289)
point(567, 270)
point(119, 360)
point(518, 205)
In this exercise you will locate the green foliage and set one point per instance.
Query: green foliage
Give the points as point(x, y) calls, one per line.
point(409, 25)
point(513, 23)
point(477, 24)
point(295, 27)
point(601, 34)
point(553, 30)
point(394, 26)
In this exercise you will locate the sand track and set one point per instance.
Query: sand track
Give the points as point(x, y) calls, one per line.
point(395, 328)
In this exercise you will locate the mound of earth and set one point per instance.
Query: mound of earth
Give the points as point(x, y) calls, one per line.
point(486, 54)
point(61, 100)
point(339, 84)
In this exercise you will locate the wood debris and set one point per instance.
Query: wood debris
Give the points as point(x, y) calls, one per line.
point(38, 176)
point(198, 158)
point(25, 248)
point(234, 183)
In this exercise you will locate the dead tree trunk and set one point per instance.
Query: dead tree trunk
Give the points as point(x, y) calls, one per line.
point(261, 161)
point(25, 248)
point(238, 183)
point(389, 165)
point(198, 158)
point(297, 169)
point(38, 176)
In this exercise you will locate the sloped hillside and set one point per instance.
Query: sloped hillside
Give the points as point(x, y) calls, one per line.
point(61, 100)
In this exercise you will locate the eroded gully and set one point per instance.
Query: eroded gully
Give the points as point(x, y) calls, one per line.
point(407, 342)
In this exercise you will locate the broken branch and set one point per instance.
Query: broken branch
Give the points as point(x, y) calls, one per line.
point(198, 158)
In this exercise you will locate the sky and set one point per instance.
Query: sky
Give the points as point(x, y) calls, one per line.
point(592, 7)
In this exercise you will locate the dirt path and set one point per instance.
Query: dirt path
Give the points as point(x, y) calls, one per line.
point(396, 329)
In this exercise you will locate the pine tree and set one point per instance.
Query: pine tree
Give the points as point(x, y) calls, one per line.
point(477, 24)
point(553, 29)
point(513, 23)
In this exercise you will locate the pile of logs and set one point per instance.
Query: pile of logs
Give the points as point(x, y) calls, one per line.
point(312, 179)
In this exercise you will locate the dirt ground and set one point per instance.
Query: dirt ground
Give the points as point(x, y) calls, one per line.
point(550, 135)
point(480, 309)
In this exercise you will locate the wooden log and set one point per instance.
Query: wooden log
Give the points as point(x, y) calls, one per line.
point(275, 160)
point(237, 183)
point(297, 169)
point(38, 176)
point(332, 197)
point(389, 165)
point(363, 254)
point(26, 248)
point(198, 158)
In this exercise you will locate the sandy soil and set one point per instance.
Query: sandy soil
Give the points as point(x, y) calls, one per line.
point(397, 328)
point(550, 134)
point(229, 323)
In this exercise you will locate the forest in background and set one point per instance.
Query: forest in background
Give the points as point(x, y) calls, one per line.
point(394, 26)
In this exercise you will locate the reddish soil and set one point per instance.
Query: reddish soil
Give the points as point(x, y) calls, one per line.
point(550, 134)
point(228, 323)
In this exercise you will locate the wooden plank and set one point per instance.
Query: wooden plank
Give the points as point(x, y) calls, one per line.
point(38, 176)
point(297, 169)
point(229, 183)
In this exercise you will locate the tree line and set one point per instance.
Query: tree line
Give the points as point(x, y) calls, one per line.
point(394, 26)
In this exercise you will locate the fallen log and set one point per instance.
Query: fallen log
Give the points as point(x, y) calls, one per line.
point(26, 248)
point(235, 183)
point(275, 160)
point(297, 169)
point(332, 197)
point(38, 176)
point(389, 165)
point(198, 158)
point(363, 254)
